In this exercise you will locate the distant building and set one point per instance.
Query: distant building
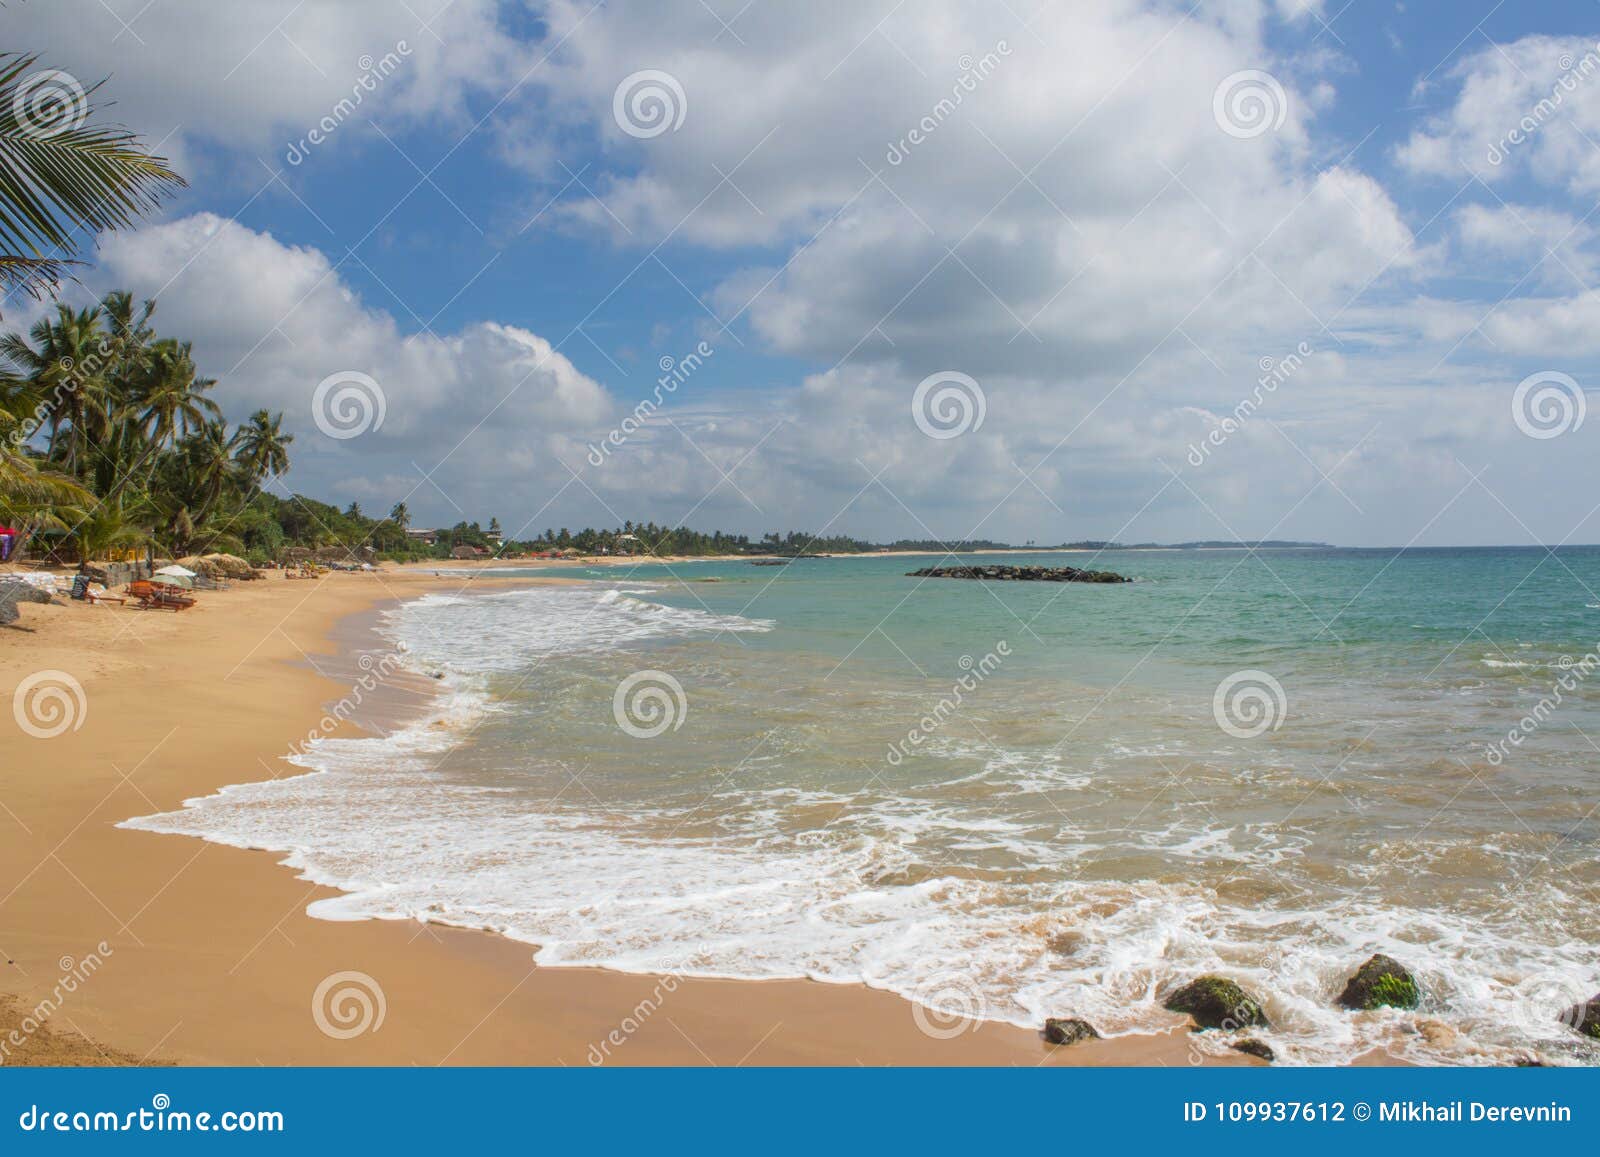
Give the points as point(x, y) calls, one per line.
point(465, 551)
point(492, 536)
point(428, 537)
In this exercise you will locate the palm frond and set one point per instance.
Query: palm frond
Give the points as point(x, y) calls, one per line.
point(61, 176)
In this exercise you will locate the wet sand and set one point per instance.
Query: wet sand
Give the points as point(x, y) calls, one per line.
point(203, 954)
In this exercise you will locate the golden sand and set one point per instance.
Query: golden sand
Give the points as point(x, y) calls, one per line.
point(127, 947)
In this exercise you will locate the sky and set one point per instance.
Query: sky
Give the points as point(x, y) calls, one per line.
point(1143, 271)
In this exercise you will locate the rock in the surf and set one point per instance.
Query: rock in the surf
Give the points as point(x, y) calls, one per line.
point(1382, 982)
point(1069, 1030)
point(1217, 1002)
point(1585, 1017)
point(1255, 1048)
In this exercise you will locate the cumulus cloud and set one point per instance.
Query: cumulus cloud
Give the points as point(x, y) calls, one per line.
point(1531, 106)
point(1056, 202)
point(257, 77)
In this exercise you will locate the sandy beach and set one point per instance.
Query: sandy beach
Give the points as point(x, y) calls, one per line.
point(143, 948)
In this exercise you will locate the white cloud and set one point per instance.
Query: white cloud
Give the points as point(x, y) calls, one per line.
point(257, 76)
point(1531, 106)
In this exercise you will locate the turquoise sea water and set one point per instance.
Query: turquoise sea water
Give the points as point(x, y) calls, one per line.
point(1008, 800)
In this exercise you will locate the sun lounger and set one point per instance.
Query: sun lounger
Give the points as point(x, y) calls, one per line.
point(159, 596)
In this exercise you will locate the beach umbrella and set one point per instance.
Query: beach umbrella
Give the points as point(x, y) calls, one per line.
point(178, 576)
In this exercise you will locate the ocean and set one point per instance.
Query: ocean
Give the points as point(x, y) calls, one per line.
point(1005, 801)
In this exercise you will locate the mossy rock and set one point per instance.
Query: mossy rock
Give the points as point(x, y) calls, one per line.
point(1585, 1017)
point(1255, 1048)
point(1069, 1030)
point(1382, 982)
point(1217, 1002)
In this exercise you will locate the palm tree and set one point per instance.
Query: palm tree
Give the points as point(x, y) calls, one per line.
point(66, 365)
point(399, 515)
point(172, 397)
point(209, 458)
point(31, 497)
point(104, 528)
point(263, 447)
point(61, 176)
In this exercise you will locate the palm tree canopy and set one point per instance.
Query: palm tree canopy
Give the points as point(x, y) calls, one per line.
point(60, 175)
point(263, 446)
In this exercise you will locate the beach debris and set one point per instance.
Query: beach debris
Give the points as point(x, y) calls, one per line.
point(1382, 982)
point(1216, 1002)
point(1037, 574)
point(1585, 1017)
point(1069, 1030)
point(1255, 1048)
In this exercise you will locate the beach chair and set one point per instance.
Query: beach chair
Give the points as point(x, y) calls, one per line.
point(95, 594)
point(159, 596)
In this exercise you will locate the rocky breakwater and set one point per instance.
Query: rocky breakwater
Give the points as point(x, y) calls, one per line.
point(1033, 574)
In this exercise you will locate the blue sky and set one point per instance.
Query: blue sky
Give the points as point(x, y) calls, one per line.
point(1121, 279)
